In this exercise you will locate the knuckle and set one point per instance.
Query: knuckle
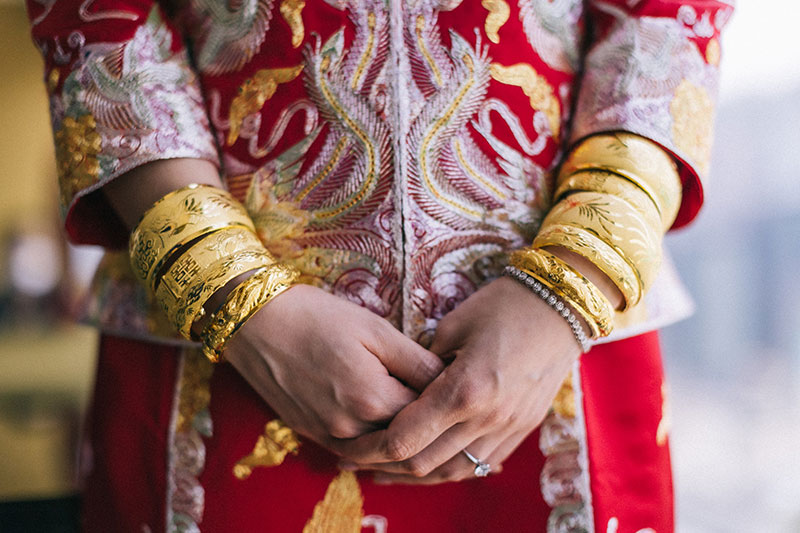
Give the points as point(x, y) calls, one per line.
point(397, 449)
point(341, 428)
point(417, 467)
point(469, 396)
point(371, 410)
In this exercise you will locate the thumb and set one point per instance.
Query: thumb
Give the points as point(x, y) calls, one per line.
point(406, 360)
point(446, 340)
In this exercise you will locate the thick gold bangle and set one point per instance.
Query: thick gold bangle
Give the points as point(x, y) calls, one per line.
point(603, 256)
point(569, 284)
point(242, 303)
point(610, 183)
point(175, 221)
point(639, 160)
point(618, 224)
point(204, 269)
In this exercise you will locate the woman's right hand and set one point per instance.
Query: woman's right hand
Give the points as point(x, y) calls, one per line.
point(329, 368)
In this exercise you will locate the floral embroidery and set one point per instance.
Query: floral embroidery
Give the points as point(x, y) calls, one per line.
point(77, 146)
point(253, 93)
point(117, 111)
point(647, 77)
point(292, 10)
point(272, 447)
point(498, 15)
point(554, 29)
point(692, 113)
point(227, 37)
point(342, 508)
point(187, 451)
point(565, 475)
point(535, 87)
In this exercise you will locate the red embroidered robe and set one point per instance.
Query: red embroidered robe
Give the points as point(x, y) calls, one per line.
point(394, 151)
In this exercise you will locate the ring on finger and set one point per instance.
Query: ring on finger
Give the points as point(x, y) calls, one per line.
point(481, 469)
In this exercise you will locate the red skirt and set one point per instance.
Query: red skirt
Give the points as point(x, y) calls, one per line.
point(176, 444)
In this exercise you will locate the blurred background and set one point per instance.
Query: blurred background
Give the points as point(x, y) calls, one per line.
point(734, 367)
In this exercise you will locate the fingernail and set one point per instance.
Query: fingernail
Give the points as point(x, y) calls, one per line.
point(348, 466)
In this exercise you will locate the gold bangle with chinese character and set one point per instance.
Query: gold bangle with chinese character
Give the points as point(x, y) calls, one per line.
point(203, 269)
point(615, 222)
point(242, 303)
point(603, 256)
point(175, 221)
point(569, 284)
point(614, 184)
point(639, 160)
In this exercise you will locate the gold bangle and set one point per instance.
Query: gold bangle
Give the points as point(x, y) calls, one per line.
point(175, 221)
point(639, 160)
point(603, 256)
point(615, 222)
point(610, 183)
point(242, 303)
point(569, 284)
point(204, 269)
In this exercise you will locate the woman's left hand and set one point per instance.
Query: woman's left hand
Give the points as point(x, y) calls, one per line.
point(509, 354)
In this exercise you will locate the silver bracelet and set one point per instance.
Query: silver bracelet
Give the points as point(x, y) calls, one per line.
point(553, 301)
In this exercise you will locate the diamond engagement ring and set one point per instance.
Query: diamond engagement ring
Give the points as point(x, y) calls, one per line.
point(481, 469)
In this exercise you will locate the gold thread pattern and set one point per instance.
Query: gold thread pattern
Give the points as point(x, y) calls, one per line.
point(362, 64)
point(475, 175)
point(437, 74)
point(564, 403)
point(292, 13)
point(429, 137)
point(713, 52)
point(78, 145)
point(253, 94)
point(276, 442)
point(498, 15)
point(52, 80)
point(195, 389)
point(369, 175)
point(536, 88)
point(327, 169)
point(342, 509)
point(692, 113)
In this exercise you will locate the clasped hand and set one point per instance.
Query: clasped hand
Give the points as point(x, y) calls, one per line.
point(351, 382)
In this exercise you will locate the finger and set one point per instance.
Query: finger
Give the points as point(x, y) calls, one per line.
point(506, 448)
point(405, 359)
point(457, 468)
point(440, 451)
point(446, 339)
point(413, 429)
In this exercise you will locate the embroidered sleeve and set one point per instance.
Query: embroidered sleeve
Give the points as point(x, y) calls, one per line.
point(652, 69)
point(122, 94)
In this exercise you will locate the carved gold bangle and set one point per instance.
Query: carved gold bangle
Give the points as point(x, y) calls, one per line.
point(639, 160)
point(569, 284)
point(603, 256)
point(242, 303)
point(618, 224)
point(176, 220)
point(610, 183)
point(204, 269)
